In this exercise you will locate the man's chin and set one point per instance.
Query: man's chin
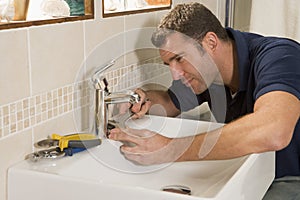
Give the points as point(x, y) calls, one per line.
point(198, 90)
point(195, 91)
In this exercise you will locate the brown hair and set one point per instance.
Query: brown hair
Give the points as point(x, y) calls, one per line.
point(191, 19)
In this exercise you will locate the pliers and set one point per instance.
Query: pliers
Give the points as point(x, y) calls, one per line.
point(77, 140)
point(58, 146)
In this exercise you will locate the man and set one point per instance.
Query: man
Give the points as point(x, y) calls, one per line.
point(261, 87)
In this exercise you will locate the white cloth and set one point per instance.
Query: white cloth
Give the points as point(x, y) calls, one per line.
point(7, 10)
point(276, 18)
point(55, 8)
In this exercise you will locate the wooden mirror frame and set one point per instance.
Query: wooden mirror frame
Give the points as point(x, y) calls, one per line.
point(128, 12)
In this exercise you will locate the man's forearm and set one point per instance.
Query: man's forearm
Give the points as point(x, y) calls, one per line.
point(231, 141)
point(161, 103)
point(269, 128)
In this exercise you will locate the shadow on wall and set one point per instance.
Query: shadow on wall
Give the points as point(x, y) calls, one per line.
point(242, 14)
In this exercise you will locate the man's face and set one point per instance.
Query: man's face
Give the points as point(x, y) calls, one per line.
point(188, 63)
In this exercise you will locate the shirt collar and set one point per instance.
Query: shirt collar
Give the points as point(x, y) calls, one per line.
point(242, 50)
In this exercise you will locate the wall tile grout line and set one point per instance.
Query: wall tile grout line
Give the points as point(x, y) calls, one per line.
point(34, 110)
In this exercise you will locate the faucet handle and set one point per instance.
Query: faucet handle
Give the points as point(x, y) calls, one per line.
point(104, 84)
point(101, 84)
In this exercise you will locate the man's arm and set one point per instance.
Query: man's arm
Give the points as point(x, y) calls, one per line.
point(269, 128)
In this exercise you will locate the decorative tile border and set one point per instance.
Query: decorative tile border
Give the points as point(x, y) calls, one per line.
point(26, 113)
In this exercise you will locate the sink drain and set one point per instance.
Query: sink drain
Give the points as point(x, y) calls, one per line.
point(179, 189)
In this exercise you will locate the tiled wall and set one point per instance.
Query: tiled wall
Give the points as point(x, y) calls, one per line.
point(25, 113)
point(44, 73)
point(22, 114)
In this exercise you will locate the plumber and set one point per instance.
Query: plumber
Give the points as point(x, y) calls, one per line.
point(251, 83)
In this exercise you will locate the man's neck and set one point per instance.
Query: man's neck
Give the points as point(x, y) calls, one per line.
point(231, 65)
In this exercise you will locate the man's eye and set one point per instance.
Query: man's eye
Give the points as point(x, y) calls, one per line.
point(179, 59)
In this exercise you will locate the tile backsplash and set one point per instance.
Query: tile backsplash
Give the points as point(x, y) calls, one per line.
point(25, 113)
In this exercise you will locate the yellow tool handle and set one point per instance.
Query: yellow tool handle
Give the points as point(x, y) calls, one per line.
point(64, 140)
point(75, 136)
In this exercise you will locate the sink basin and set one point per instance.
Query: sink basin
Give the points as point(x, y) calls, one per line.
point(103, 173)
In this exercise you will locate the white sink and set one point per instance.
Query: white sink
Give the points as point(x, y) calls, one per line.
point(103, 173)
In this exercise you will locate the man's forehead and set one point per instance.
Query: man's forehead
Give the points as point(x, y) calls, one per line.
point(177, 43)
point(177, 40)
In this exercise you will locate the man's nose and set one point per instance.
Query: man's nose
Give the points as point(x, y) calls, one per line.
point(176, 71)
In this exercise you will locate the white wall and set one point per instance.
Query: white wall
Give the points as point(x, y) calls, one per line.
point(276, 18)
point(39, 66)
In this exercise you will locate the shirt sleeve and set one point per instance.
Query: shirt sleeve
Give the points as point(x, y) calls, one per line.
point(281, 71)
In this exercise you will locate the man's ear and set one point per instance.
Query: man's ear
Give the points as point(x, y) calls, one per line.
point(210, 41)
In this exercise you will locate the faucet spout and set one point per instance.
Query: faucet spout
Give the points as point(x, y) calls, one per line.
point(122, 97)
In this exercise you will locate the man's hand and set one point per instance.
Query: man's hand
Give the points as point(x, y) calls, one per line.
point(146, 147)
point(142, 107)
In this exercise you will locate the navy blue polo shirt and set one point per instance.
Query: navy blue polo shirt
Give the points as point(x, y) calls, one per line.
point(265, 64)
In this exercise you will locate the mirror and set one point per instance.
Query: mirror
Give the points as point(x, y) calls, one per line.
point(123, 7)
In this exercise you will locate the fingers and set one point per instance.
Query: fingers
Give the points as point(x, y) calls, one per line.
point(142, 107)
point(123, 136)
point(135, 153)
point(142, 94)
point(146, 147)
point(137, 106)
point(142, 110)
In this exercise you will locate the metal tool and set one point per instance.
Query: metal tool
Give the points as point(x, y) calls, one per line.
point(45, 154)
point(77, 140)
point(58, 146)
point(179, 189)
point(52, 153)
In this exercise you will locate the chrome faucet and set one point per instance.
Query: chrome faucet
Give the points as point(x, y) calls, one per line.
point(103, 97)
